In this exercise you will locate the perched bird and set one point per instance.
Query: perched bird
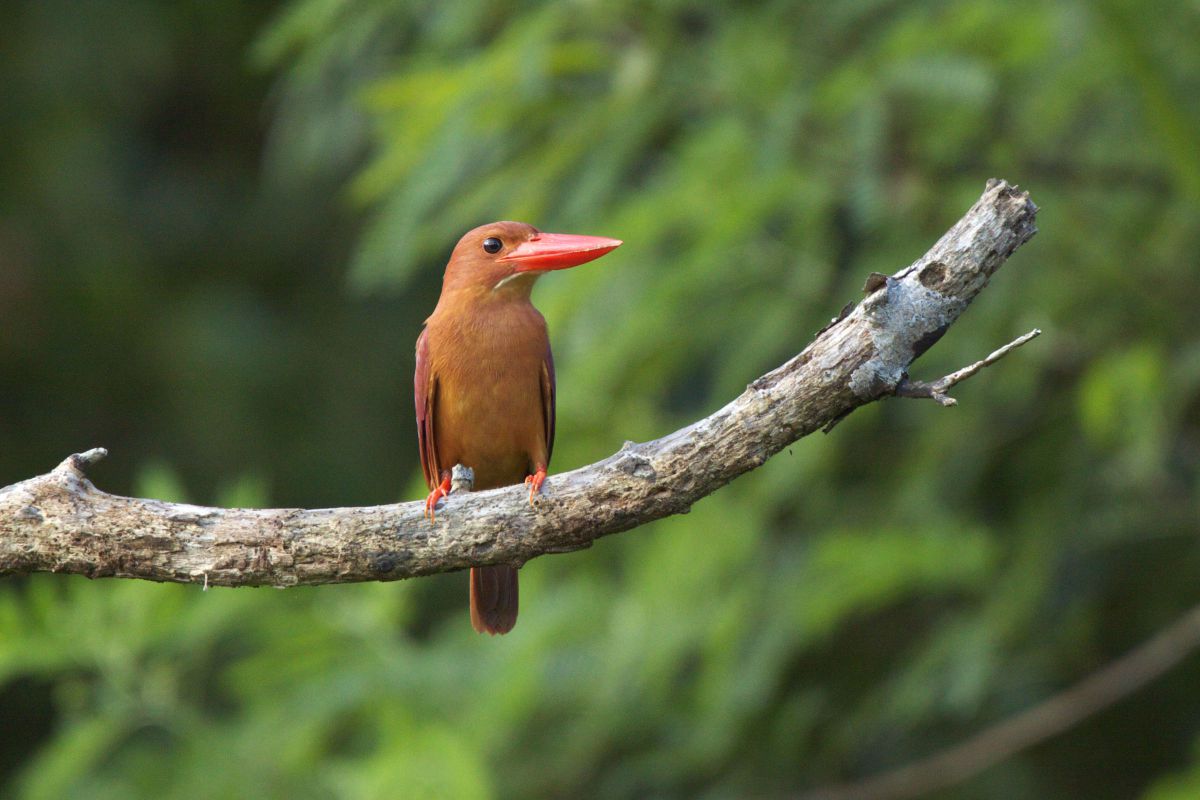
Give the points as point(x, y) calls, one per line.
point(484, 384)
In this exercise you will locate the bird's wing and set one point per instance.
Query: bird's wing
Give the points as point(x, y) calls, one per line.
point(424, 399)
point(548, 400)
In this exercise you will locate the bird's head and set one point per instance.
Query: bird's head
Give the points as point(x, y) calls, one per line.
point(511, 255)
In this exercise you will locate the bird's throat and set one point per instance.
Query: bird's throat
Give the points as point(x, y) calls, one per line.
point(521, 282)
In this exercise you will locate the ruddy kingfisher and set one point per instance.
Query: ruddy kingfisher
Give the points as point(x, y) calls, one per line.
point(484, 383)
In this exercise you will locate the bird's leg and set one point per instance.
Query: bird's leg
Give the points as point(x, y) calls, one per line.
point(439, 491)
point(535, 481)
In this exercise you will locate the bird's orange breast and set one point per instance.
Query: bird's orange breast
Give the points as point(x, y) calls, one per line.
point(490, 414)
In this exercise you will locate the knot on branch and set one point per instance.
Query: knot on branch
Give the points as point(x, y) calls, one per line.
point(634, 464)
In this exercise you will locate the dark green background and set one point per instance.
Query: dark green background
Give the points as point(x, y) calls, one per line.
point(222, 223)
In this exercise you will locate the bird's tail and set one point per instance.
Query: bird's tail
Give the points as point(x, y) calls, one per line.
point(494, 598)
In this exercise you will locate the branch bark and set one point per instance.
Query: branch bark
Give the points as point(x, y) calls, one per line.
point(60, 522)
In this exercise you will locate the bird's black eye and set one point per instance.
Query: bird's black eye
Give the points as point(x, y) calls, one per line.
point(492, 245)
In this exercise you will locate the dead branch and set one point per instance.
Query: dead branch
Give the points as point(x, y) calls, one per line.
point(1059, 713)
point(60, 522)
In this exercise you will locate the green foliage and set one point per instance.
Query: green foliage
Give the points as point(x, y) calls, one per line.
point(1177, 787)
point(228, 299)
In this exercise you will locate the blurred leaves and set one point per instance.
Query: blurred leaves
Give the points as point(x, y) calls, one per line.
point(227, 298)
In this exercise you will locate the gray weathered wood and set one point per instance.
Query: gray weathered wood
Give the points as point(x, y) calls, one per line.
point(60, 522)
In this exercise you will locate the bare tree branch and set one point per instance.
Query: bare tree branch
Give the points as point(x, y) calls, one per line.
point(60, 522)
point(1093, 694)
point(937, 389)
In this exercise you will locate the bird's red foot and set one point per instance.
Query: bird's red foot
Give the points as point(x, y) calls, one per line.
point(535, 481)
point(439, 491)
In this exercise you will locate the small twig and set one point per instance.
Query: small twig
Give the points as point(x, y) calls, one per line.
point(80, 460)
point(936, 390)
point(1061, 712)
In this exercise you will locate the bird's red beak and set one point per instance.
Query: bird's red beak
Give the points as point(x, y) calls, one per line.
point(546, 251)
